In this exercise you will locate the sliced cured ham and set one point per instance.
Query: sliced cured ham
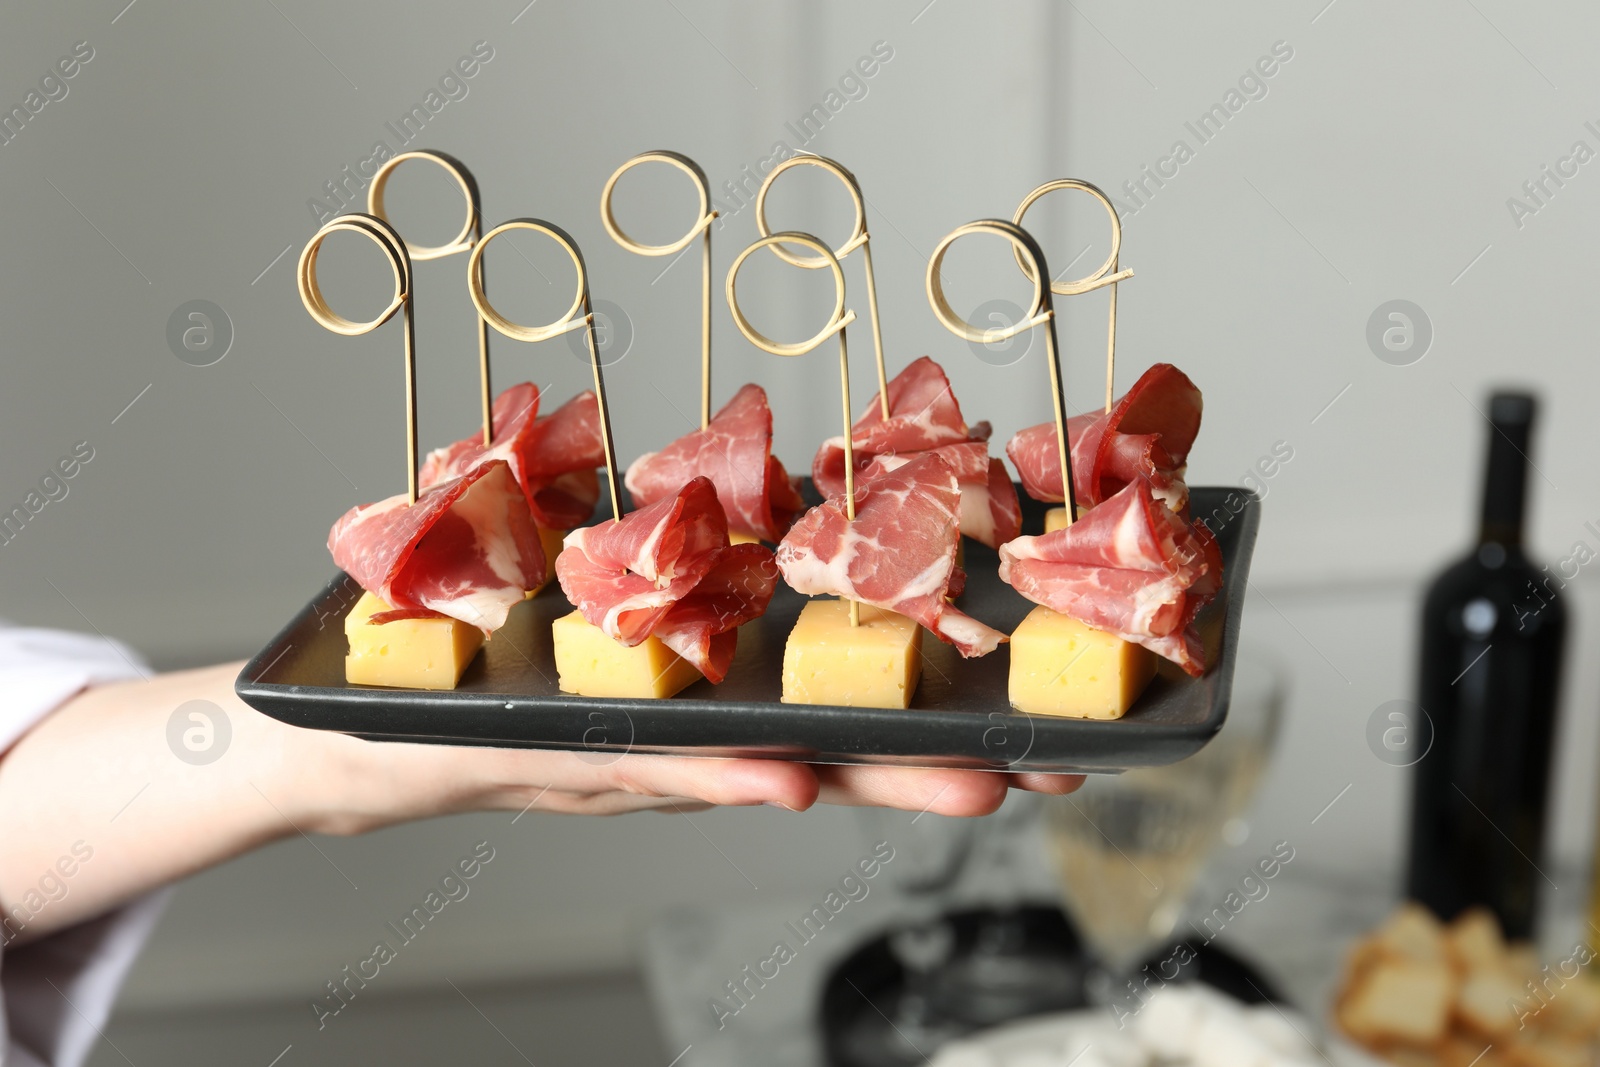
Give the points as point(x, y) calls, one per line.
point(467, 548)
point(1131, 567)
point(735, 452)
point(668, 571)
point(553, 458)
point(1147, 433)
point(925, 417)
point(900, 552)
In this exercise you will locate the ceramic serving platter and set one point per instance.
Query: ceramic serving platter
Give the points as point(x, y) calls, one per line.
point(959, 717)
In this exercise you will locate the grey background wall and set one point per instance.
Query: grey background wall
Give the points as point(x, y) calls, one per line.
point(1377, 162)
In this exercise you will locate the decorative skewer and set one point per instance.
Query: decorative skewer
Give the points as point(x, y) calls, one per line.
point(568, 321)
point(1108, 274)
point(471, 233)
point(859, 238)
point(1041, 312)
point(385, 237)
point(837, 321)
point(702, 226)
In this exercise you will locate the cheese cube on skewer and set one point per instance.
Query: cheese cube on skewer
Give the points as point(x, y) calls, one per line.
point(551, 540)
point(591, 663)
point(407, 653)
point(1060, 666)
point(1056, 518)
point(873, 665)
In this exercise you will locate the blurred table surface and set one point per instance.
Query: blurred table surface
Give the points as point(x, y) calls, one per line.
point(1296, 935)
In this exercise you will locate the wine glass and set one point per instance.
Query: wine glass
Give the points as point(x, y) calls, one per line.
point(1129, 847)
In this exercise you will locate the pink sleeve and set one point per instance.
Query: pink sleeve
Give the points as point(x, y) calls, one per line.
point(56, 993)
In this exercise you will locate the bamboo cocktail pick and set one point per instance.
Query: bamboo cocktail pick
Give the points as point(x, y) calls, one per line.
point(1106, 275)
point(385, 237)
point(837, 321)
point(1041, 312)
point(701, 227)
point(859, 238)
point(471, 233)
point(568, 321)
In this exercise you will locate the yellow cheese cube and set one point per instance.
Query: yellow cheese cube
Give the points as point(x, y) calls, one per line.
point(828, 661)
point(1056, 518)
point(591, 664)
point(551, 540)
point(407, 653)
point(1060, 666)
point(742, 537)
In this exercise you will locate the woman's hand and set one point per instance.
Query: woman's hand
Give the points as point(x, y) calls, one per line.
point(405, 781)
point(98, 771)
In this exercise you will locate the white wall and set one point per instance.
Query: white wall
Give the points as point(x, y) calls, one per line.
point(1377, 166)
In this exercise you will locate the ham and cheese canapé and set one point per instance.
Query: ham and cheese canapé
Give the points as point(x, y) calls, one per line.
point(660, 596)
point(436, 573)
point(443, 573)
point(1123, 584)
point(898, 556)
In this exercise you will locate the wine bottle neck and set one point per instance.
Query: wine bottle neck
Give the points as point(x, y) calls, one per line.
point(1505, 482)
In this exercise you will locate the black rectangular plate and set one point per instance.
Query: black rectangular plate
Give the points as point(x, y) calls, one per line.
point(959, 717)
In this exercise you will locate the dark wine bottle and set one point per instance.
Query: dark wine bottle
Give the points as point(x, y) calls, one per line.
point(1492, 632)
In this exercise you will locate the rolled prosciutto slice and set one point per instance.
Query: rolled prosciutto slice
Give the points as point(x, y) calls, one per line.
point(668, 571)
point(899, 554)
point(735, 452)
point(553, 458)
point(1147, 433)
point(924, 417)
point(467, 548)
point(1131, 567)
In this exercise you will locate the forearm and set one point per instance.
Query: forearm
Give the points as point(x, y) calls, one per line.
point(100, 777)
point(96, 791)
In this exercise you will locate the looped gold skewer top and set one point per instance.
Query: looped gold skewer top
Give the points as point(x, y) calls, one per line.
point(702, 226)
point(568, 321)
point(837, 321)
point(1041, 312)
point(471, 233)
point(859, 238)
point(385, 237)
point(1107, 274)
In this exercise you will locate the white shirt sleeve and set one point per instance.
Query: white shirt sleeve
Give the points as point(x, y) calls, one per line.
point(56, 993)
